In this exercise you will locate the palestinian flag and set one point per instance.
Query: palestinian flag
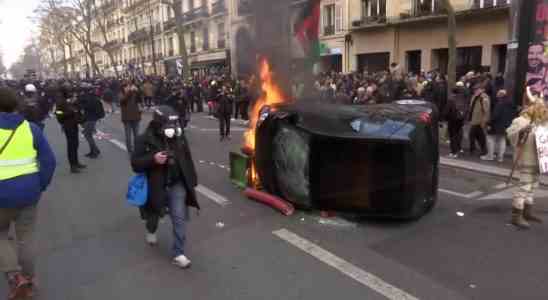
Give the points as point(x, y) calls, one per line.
point(307, 29)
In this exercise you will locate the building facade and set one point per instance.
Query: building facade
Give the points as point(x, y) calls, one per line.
point(141, 36)
point(413, 33)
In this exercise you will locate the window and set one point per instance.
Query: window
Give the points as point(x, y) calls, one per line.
point(206, 38)
point(221, 43)
point(329, 19)
point(192, 42)
point(373, 8)
point(170, 46)
point(427, 7)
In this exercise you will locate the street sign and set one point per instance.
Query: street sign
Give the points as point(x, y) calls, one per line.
point(541, 138)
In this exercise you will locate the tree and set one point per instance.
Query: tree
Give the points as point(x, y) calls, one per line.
point(29, 60)
point(452, 44)
point(81, 24)
point(103, 19)
point(177, 7)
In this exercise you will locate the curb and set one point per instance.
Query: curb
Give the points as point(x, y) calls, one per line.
point(489, 170)
point(476, 167)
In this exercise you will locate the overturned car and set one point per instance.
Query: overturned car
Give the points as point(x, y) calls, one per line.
point(376, 160)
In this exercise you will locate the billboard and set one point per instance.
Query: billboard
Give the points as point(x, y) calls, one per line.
point(537, 50)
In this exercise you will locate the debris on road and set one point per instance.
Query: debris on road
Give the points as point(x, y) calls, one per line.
point(220, 225)
point(460, 214)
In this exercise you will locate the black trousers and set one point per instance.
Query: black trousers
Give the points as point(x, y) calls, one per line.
point(241, 110)
point(224, 125)
point(199, 106)
point(477, 134)
point(454, 127)
point(73, 141)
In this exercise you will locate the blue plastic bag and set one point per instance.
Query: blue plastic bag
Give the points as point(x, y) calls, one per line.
point(137, 190)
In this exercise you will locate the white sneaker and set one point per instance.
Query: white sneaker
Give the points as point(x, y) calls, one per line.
point(151, 239)
point(181, 261)
point(487, 158)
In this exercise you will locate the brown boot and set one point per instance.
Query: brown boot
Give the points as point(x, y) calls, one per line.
point(518, 220)
point(528, 214)
point(19, 286)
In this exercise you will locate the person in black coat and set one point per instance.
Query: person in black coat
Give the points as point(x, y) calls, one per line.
point(180, 104)
point(69, 116)
point(93, 112)
point(455, 112)
point(163, 154)
point(501, 119)
point(224, 112)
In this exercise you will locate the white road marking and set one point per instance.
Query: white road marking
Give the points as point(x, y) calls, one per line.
point(222, 201)
point(501, 186)
point(118, 144)
point(371, 281)
point(200, 188)
point(461, 195)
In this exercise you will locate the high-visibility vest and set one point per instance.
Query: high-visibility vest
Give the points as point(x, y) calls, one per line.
point(19, 157)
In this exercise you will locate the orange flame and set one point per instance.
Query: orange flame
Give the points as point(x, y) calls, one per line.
point(272, 94)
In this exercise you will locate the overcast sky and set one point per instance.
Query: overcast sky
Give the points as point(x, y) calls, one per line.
point(15, 27)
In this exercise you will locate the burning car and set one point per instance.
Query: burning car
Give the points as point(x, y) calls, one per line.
point(379, 160)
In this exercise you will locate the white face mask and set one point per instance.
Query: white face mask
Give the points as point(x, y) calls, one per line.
point(169, 132)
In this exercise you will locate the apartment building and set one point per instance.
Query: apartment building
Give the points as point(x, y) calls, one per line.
point(414, 34)
point(334, 50)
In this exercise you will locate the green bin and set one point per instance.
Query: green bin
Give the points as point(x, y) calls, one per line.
point(239, 164)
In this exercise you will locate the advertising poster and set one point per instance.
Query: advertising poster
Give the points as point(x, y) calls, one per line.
point(541, 136)
point(537, 52)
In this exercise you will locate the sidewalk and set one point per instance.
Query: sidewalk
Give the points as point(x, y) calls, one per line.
point(474, 163)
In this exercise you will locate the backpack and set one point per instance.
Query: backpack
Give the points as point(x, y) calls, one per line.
point(137, 190)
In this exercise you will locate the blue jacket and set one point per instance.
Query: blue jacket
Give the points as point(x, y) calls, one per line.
point(26, 190)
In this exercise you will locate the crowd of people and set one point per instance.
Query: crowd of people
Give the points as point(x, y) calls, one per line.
point(479, 102)
point(162, 153)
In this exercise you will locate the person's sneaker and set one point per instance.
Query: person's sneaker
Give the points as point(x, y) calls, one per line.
point(487, 158)
point(453, 155)
point(181, 261)
point(151, 239)
point(500, 160)
point(19, 286)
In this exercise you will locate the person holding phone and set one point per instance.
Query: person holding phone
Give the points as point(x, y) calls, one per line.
point(163, 154)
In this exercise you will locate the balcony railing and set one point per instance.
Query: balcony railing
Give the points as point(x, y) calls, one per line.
point(169, 24)
point(114, 44)
point(218, 7)
point(479, 4)
point(195, 14)
point(135, 5)
point(329, 30)
point(221, 44)
point(138, 36)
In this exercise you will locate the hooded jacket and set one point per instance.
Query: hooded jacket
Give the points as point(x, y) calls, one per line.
point(26, 190)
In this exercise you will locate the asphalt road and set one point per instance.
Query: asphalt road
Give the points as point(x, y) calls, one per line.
point(91, 243)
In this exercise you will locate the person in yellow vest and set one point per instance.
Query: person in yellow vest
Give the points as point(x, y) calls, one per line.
point(27, 164)
point(522, 136)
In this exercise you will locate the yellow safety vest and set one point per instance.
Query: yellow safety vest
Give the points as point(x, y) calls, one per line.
point(19, 157)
